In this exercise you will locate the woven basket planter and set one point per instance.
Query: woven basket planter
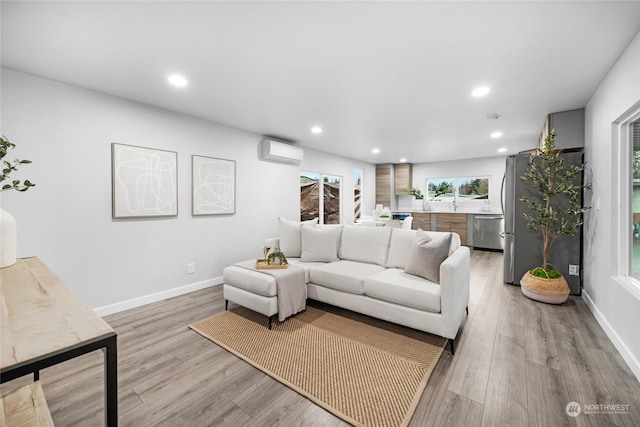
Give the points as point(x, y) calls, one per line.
point(551, 291)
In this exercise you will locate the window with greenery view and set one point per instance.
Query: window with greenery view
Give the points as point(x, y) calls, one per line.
point(635, 201)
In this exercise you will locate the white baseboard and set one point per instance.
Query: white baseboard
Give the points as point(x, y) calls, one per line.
point(159, 296)
point(626, 354)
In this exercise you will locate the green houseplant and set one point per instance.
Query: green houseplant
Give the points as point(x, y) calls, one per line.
point(550, 178)
point(418, 198)
point(9, 167)
point(8, 237)
point(277, 257)
point(415, 192)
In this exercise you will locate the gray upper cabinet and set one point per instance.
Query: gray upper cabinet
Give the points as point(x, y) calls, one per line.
point(569, 127)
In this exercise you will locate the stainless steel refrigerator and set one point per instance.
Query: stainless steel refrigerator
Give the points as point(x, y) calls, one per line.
point(522, 246)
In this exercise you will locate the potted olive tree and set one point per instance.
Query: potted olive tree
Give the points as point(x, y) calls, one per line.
point(550, 178)
point(8, 247)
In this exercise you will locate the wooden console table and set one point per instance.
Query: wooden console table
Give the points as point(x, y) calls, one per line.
point(43, 323)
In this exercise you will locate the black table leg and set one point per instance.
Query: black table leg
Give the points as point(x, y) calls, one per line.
point(111, 382)
point(107, 343)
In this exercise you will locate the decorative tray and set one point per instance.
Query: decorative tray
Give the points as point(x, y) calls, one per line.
point(261, 264)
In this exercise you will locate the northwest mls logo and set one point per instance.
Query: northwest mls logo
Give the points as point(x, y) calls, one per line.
point(573, 409)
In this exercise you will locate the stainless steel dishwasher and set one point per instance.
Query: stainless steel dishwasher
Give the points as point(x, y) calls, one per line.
point(486, 232)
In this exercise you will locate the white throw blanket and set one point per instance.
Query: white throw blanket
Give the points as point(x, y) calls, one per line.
point(292, 290)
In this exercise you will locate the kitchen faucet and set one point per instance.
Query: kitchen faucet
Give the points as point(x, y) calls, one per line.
point(455, 200)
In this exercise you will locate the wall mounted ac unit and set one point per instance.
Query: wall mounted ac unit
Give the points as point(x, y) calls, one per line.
point(276, 151)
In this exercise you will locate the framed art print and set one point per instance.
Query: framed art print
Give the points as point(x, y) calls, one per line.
point(214, 186)
point(144, 182)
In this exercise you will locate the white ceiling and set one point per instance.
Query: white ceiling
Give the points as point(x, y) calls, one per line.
point(392, 75)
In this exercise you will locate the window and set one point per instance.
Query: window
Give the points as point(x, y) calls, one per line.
point(625, 193)
point(309, 195)
point(447, 189)
point(311, 192)
point(635, 198)
point(357, 193)
point(331, 189)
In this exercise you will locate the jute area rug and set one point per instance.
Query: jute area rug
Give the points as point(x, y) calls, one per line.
point(366, 371)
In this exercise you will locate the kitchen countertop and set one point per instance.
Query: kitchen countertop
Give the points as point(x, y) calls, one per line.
point(463, 211)
point(460, 211)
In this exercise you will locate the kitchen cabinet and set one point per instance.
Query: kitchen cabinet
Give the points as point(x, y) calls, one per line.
point(452, 222)
point(403, 178)
point(383, 186)
point(421, 220)
point(569, 128)
point(461, 223)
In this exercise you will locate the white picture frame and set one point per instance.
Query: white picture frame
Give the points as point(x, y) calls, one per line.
point(213, 183)
point(144, 182)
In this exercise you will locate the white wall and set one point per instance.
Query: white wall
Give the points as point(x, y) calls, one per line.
point(493, 167)
point(617, 310)
point(66, 219)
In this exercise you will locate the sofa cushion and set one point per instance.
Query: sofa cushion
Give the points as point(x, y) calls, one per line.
point(402, 241)
point(365, 244)
point(346, 276)
point(395, 286)
point(319, 244)
point(306, 266)
point(290, 236)
point(251, 281)
point(400, 246)
point(427, 254)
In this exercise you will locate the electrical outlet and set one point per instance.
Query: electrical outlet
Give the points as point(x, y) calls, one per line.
point(574, 270)
point(191, 268)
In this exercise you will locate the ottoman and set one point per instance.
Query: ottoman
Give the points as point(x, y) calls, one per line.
point(281, 291)
point(251, 289)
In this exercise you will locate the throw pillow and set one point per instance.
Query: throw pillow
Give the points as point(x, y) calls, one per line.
point(290, 236)
point(365, 244)
point(400, 246)
point(319, 244)
point(426, 256)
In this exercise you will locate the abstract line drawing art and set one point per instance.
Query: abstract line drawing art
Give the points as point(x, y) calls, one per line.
point(214, 186)
point(144, 182)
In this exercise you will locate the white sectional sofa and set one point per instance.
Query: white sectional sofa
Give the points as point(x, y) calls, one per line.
point(413, 278)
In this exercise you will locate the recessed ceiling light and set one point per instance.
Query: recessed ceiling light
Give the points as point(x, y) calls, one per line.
point(375, 150)
point(177, 80)
point(316, 129)
point(403, 160)
point(480, 91)
point(502, 150)
point(496, 134)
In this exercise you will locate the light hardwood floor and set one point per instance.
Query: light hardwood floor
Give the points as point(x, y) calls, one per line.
point(517, 363)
